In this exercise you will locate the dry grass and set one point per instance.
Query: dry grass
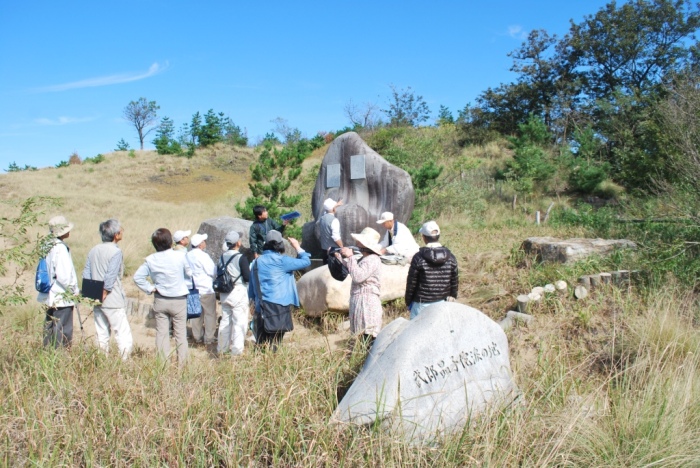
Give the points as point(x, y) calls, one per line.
point(612, 381)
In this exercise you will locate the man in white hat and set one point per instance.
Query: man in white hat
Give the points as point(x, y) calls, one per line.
point(433, 276)
point(181, 240)
point(105, 262)
point(398, 239)
point(203, 274)
point(329, 228)
point(58, 330)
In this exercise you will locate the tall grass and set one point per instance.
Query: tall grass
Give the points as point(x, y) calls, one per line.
point(627, 394)
point(610, 381)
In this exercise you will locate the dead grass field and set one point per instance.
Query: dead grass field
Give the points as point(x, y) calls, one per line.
point(610, 381)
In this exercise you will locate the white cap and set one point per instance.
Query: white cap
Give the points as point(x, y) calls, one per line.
point(430, 229)
point(179, 235)
point(198, 239)
point(232, 237)
point(329, 204)
point(386, 216)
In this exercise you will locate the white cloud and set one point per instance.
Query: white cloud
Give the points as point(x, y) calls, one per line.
point(517, 32)
point(153, 70)
point(62, 120)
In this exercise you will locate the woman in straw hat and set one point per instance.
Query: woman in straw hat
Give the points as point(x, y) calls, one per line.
point(365, 305)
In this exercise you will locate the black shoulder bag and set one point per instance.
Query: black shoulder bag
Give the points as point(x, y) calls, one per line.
point(275, 318)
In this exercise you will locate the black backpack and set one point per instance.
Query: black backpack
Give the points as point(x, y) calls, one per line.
point(224, 283)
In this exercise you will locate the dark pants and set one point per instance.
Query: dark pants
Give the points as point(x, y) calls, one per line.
point(58, 329)
point(263, 338)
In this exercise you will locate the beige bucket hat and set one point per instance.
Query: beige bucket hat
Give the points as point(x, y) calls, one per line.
point(369, 238)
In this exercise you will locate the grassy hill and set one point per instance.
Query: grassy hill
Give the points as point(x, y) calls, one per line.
point(612, 380)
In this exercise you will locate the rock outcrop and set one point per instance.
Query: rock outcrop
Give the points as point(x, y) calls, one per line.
point(553, 250)
point(216, 229)
point(431, 375)
point(367, 184)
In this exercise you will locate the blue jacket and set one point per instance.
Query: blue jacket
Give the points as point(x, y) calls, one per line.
point(276, 272)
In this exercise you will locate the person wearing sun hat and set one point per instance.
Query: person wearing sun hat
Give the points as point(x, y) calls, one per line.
point(203, 274)
point(398, 239)
point(365, 303)
point(58, 328)
point(181, 240)
point(433, 275)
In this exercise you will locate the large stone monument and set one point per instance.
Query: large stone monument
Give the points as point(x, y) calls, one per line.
point(367, 184)
point(432, 375)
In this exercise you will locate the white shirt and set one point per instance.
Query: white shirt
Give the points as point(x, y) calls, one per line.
point(335, 229)
point(62, 271)
point(168, 270)
point(403, 242)
point(203, 270)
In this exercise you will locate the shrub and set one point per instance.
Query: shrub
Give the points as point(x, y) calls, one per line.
point(74, 159)
point(122, 145)
point(95, 160)
point(63, 164)
point(586, 176)
point(609, 189)
point(13, 167)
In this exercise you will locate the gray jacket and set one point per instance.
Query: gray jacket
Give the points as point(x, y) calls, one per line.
point(105, 262)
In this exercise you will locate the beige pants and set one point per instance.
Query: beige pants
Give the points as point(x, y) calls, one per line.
point(165, 310)
point(208, 319)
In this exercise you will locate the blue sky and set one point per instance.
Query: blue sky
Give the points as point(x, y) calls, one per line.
point(68, 69)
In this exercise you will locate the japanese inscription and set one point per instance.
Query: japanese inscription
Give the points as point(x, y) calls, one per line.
point(357, 167)
point(333, 175)
point(444, 368)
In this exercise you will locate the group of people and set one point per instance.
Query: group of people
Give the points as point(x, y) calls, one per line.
point(433, 275)
point(268, 282)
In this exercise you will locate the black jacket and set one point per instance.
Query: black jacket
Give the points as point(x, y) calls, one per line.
point(433, 276)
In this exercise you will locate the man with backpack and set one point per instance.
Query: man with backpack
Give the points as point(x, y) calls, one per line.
point(58, 329)
point(105, 262)
point(233, 275)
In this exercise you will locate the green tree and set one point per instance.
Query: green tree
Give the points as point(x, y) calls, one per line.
point(532, 165)
point(122, 145)
point(232, 133)
point(165, 141)
point(445, 117)
point(21, 249)
point(211, 132)
point(405, 108)
point(631, 47)
point(272, 176)
point(142, 114)
point(195, 129)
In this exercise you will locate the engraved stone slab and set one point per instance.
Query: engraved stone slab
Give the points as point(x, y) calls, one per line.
point(431, 375)
point(553, 250)
point(357, 167)
point(333, 176)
